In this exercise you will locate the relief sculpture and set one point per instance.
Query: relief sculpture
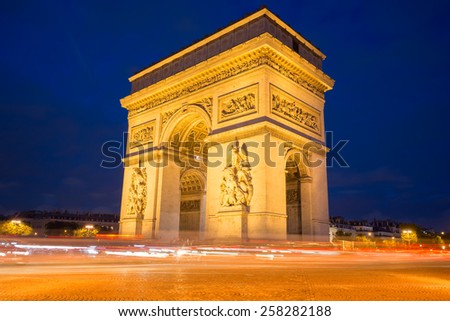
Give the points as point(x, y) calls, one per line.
point(238, 105)
point(141, 136)
point(296, 112)
point(137, 195)
point(236, 187)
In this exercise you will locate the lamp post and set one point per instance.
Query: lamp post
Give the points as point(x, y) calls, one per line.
point(408, 236)
point(89, 228)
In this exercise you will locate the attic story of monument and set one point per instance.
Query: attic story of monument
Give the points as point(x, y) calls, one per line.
point(226, 139)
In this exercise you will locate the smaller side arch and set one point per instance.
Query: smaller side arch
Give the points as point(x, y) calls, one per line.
point(197, 177)
point(301, 161)
point(184, 115)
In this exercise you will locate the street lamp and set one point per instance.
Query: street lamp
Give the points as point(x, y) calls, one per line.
point(16, 221)
point(408, 233)
point(89, 228)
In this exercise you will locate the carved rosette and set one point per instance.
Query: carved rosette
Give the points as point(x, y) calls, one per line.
point(236, 187)
point(137, 194)
point(238, 103)
point(294, 110)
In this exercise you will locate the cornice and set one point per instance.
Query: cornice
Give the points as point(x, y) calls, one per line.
point(224, 31)
point(267, 51)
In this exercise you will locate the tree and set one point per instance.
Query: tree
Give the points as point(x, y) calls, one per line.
point(61, 228)
point(15, 228)
point(341, 235)
point(390, 243)
point(438, 240)
point(409, 236)
point(361, 238)
point(86, 232)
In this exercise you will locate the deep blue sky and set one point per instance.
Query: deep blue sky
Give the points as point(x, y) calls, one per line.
point(65, 64)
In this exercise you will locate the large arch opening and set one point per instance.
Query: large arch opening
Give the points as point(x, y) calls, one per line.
point(185, 136)
point(192, 206)
point(296, 175)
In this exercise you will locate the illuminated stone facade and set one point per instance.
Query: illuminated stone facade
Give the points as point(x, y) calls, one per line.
point(226, 139)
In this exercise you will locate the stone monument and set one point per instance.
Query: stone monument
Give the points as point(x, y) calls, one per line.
point(227, 139)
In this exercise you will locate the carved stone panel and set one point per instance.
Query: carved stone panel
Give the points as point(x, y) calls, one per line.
point(294, 110)
point(236, 187)
point(292, 196)
point(142, 134)
point(238, 103)
point(137, 194)
point(190, 206)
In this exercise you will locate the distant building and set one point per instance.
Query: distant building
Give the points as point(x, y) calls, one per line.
point(42, 221)
point(382, 229)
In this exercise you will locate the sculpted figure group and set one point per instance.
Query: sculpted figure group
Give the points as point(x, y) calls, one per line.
point(137, 197)
point(236, 187)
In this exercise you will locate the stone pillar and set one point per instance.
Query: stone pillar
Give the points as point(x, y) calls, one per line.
point(222, 222)
point(202, 232)
point(129, 224)
point(265, 215)
point(319, 198)
point(168, 207)
point(306, 208)
point(149, 221)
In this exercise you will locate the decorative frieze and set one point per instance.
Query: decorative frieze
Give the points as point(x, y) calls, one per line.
point(238, 103)
point(137, 193)
point(141, 134)
point(263, 56)
point(294, 110)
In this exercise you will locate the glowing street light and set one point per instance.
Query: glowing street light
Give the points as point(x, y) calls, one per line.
point(90, 229)
point(16, 221)
point(408, 238)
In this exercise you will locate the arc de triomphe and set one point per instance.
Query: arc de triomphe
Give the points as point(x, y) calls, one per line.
point(226, 139)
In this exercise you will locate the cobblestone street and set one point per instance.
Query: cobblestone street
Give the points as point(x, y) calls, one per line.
point(345, 276)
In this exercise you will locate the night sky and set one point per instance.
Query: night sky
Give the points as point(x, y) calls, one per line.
point(65, 64)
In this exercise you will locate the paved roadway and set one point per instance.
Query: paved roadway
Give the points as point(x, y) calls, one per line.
point(336, 276)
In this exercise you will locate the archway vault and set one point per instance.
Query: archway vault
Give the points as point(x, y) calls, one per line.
point(296, 174)
point(184, 122)
point(192, 204)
